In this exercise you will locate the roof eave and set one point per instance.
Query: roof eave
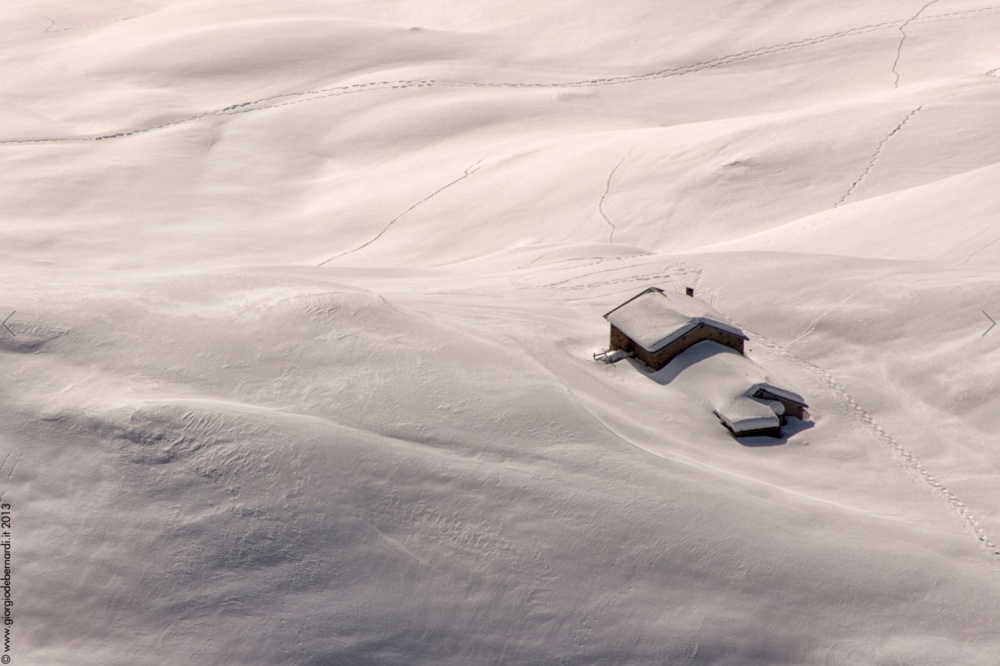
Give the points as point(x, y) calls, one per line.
point(641, 293)
point(687, 329)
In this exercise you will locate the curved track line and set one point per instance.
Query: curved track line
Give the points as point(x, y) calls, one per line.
point(815, 322)
point(560, 284)
point(977, 251)
point(877, 155)
point(600, 204)
point(51, 28)
point(902, 31)
point(468, 172)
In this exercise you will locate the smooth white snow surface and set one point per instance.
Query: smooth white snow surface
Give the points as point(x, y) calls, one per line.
point(306, 295)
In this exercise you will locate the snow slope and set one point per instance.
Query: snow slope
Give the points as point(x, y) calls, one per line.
point(306, 295)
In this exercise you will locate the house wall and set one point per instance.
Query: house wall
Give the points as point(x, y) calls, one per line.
point(700, 334)
point(792, 409)
point(762, 432)
point(621, 341)
point(647, 357)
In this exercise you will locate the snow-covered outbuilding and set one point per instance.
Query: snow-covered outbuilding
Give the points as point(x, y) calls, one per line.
point(744, 417)
point(656, 326)
point(792, 403)
point(738, 391)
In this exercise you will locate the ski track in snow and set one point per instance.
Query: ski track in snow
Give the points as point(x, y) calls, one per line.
point(468, 172)
point(902, 32)
point(272, 101)
point(600, 204)
point(910, 464)
point(875, 157)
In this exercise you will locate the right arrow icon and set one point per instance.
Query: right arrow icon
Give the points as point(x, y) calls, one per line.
point(994, 323)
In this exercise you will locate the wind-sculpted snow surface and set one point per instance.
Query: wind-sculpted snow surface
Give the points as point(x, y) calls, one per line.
point(303, 300)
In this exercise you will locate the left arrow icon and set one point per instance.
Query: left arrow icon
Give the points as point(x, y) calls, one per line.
point(994, 323)
point(4, 323)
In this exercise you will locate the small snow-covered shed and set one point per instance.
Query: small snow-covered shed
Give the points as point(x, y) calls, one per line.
point(792, 403)
point(747, 418)
point(739, 392)
point(657, 325)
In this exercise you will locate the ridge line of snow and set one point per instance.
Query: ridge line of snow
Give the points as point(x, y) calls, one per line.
point(262, 103)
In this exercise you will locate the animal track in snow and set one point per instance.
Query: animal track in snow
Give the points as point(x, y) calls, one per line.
point(51, 28)
point(902, 32)
point(300, 97)
point(910, 464)
point(670, 272)
point(815, 322)
point(977, 251)
point(600, 204)
point(877, 155)
point(468, 172)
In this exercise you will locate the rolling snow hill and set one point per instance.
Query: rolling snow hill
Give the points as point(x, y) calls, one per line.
point(305, 296)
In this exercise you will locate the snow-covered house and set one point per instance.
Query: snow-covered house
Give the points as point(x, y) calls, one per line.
point(656, 326)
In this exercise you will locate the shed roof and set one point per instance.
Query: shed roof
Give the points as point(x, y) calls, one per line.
point(748, 416)
point(720, 377)
point(655, 318)
point(784, 394)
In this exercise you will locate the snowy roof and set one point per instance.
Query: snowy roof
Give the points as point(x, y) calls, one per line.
point(747, 423)
point(743, 413)
point(655, 318)
point(726, 381)
point(776, 391)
